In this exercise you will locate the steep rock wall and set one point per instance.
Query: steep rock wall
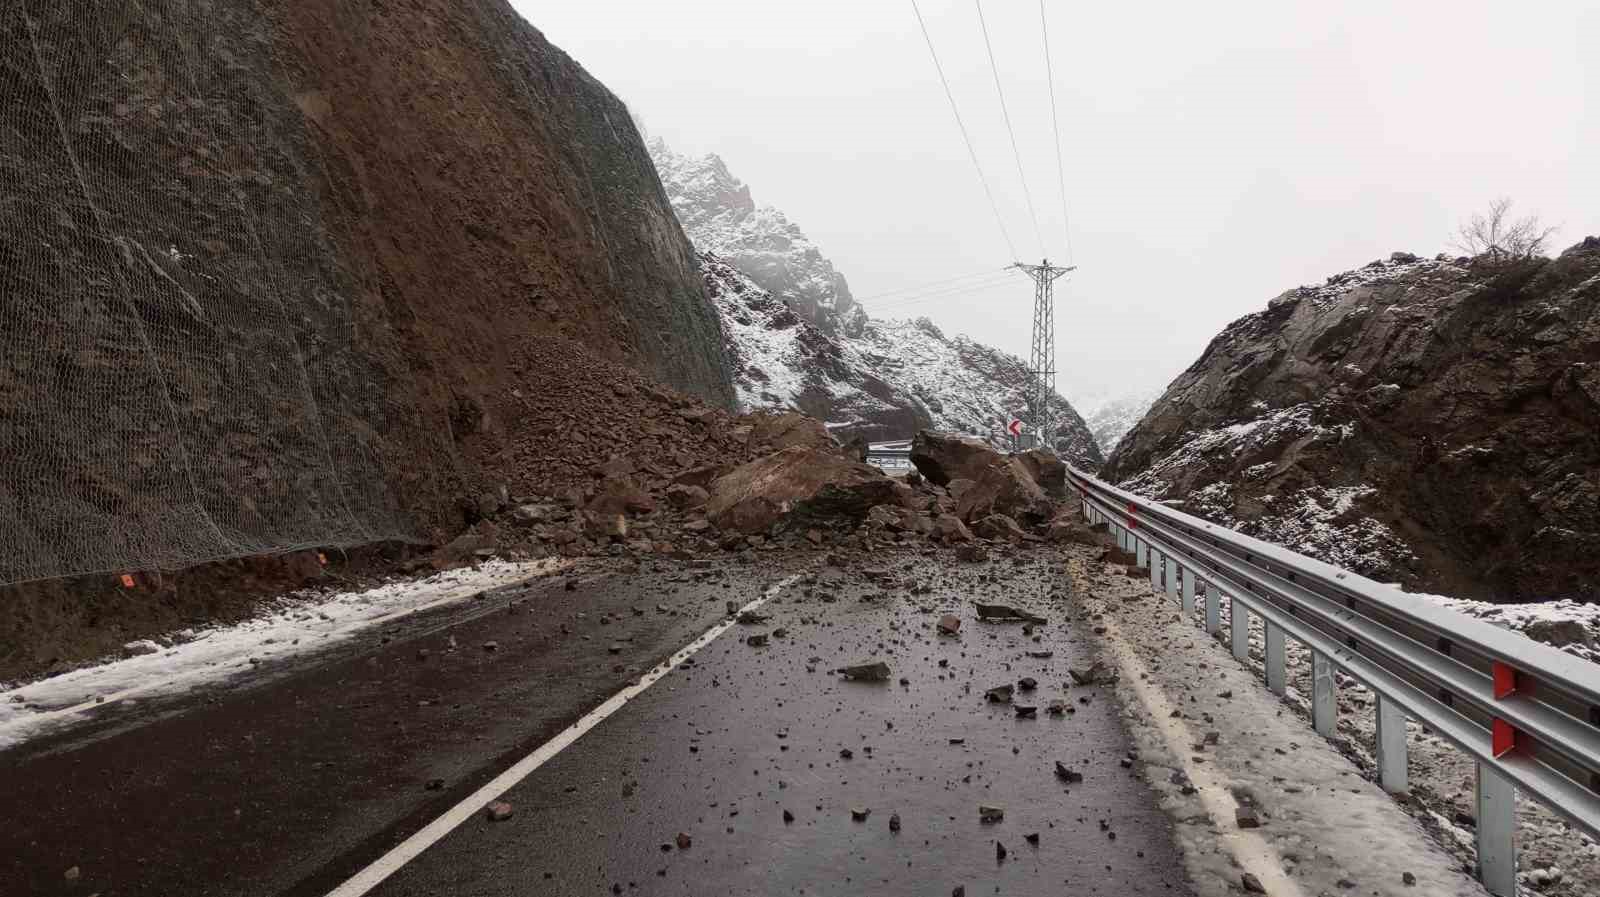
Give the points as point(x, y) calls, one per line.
point(272, 273)
point(1435, 422)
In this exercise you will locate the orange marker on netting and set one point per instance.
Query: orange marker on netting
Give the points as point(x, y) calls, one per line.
point(128, 581)
point(322, 558)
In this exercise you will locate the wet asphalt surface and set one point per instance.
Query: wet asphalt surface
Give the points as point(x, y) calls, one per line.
point(721, 750)
point(295, 780)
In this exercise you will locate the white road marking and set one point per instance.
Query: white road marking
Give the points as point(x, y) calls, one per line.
point(412, 847)
point(1253, 852)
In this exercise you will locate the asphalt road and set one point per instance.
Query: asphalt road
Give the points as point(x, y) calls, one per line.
point(291, 785)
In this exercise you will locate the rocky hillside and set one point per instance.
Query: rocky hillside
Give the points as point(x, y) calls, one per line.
point(1435, 422)
point(272, 271)
point(796, 339)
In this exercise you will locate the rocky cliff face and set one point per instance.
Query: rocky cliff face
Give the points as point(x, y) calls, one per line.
point(273, 272)
point(1435, 422)
point(818, 351)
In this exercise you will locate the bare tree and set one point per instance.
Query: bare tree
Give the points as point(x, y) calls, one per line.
point(1502, 238)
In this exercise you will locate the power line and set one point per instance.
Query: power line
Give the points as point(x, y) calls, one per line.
point(998, 277)
point(1007, 116)
point(946, 294)
point(1061, 177)
point(931, 283)
point(964, 136)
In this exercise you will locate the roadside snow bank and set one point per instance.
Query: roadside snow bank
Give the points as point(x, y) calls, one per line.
point(305, 621)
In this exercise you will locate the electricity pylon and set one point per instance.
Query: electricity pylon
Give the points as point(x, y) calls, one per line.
point(1042, 365)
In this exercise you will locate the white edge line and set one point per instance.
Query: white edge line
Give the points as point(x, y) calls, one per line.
point(412, 847)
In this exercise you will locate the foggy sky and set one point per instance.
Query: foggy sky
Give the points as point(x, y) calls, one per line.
point(1214, 157)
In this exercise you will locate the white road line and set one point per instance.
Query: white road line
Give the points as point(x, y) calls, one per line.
point(1253, 852)
point(412, 847)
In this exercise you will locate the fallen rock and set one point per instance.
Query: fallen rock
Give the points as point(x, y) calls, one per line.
point(1027, 711)
point(1088, 676)
point(1559, 633)
point(894, 822)
point(1000, 694)
point(1047, 470)
point(999, 527)
point(684, 842)
point(683, 497)
point(860, 814)
point(1001, 612)
point(1004, 488)
point(1245, 817)
point(798, 485)
point(1067, 775)
point(498, 811)
point(990, 815)
point(619, 495)
point(972, 553)
point(867, 672)
point(948, 528)
point(1027, 683)
point(942, 457)
point(1251, 884)
point(949, 624)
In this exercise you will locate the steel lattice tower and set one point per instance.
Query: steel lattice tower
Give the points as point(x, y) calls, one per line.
point(1042, 363)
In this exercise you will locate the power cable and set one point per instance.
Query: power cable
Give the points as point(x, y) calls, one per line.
point(1007, 116)
point(1061, 177)
point(947, 294)
point(931, 283)
point(964, 136)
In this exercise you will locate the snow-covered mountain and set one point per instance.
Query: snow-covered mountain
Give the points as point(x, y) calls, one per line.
point(719, 215)
point(797, 339)
point(892, 379)
point(1112, 416)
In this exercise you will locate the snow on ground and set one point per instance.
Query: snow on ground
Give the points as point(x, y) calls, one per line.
point(1555, 859)
point(1324, 522)
point(301, 623)
point(1211, 740)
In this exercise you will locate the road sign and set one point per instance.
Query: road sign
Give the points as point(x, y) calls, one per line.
point(1015, 427)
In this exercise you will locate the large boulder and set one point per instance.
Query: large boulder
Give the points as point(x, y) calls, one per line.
point(798, 485)
point(788, 430)
point(1047, 470)
point(1004, 487)
point(942, 457)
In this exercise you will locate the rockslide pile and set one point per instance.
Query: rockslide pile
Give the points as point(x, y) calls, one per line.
point(645, 470)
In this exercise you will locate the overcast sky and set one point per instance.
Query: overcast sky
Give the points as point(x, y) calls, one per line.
point(1215, 154)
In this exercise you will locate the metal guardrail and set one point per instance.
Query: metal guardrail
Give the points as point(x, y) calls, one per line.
point(1528, 714)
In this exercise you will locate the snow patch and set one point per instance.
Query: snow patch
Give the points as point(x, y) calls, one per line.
point(304, 622)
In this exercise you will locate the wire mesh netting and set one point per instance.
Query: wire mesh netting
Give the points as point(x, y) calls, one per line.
point(179, 374)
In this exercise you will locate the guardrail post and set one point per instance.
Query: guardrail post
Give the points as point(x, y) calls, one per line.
point(1213, 609)
point(1324, 709)
point(1143, 557)
point(1155, 570)
point(1188, 591)
point(1172, 579)
point(1239, 624)
point(1497, 829)
point(1277, 670)
point(1392, 774)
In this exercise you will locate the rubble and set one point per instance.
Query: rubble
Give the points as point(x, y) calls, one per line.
point(949, 624)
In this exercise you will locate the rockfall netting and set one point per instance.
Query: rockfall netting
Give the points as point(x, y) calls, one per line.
point(179, 374)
